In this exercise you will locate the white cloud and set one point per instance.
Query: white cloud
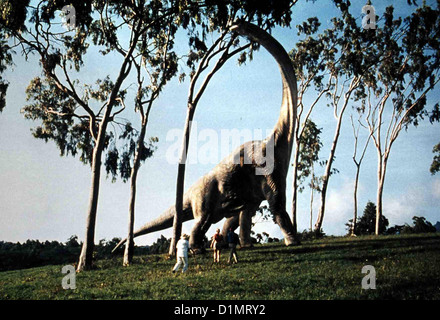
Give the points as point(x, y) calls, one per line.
point(401, 209)
point(339, 204)
point(398, 210)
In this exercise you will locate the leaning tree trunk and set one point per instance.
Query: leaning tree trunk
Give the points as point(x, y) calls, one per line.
point(318, 225)
point(177, 222)
point(328, 168)
point(192, 105)
point(86, 257)
point(295, 191)
point(129, 247)
point(383, 160)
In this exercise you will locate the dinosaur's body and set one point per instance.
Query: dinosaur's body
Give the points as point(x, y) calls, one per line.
point(235, 188)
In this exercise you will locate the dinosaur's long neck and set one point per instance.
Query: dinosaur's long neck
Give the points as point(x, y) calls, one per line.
point(283, 133)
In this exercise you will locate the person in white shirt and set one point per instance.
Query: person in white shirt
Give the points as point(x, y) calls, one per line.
point(182, 253)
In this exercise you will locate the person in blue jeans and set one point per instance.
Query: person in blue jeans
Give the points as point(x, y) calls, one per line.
point(233, 241)
point(182, 253)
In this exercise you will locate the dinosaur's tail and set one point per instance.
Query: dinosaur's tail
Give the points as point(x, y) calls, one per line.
point(164, 221)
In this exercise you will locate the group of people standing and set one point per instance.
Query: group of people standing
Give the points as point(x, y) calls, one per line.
point(217, 243)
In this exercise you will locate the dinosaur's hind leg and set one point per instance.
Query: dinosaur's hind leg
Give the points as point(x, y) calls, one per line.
point(283, 221)
point(244, 221)
point(230, 223)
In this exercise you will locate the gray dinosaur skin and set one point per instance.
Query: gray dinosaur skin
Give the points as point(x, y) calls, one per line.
point(233, 190)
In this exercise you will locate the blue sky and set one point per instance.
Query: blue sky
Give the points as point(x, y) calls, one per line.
point(44, 196)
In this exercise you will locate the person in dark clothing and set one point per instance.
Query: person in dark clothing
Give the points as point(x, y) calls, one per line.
point(233, 241)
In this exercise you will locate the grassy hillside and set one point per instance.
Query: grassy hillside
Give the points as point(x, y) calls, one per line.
point(407, 267)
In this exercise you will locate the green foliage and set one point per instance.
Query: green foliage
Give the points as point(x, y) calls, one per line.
point(342, 52)
point(407, 55)
point(34, 253)
point(309, 235)
point(56, 110)
point(5, 60)
point(420, 225)
point(13, 14)
point(161, 246)
point(12, 17)
point(309, 146)
point(399, 59)
point(366, 224)
point(120, 158)
point(435, 165)
point(72, 113)
point(216, 16)
point(263, 214)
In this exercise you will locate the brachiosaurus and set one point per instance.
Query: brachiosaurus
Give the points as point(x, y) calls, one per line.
point(235, 188)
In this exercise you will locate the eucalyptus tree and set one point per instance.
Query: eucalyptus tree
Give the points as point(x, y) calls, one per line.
point(309, 147)
point(358, 163)
point(76, 115)
point(159, 62)
point(408, 70)
point(310, 58)
point(395, 64)
point(349, 65)
point(331, 64)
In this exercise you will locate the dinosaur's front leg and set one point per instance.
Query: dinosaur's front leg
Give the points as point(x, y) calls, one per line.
point(277, 205)
point(244, 221)
point(283, 221)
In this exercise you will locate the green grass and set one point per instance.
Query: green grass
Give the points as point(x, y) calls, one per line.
point(407, 267)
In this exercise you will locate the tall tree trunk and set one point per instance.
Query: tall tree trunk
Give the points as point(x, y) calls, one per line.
point(295, 190)
point(383, 160)
point(327, 173)
point(129, 247)
point(311, 208)
point(177, 222)
point(354, 83)
point(355, 200)
point(86, 257)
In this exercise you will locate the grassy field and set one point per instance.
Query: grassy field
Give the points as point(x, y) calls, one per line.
point(407, 267)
